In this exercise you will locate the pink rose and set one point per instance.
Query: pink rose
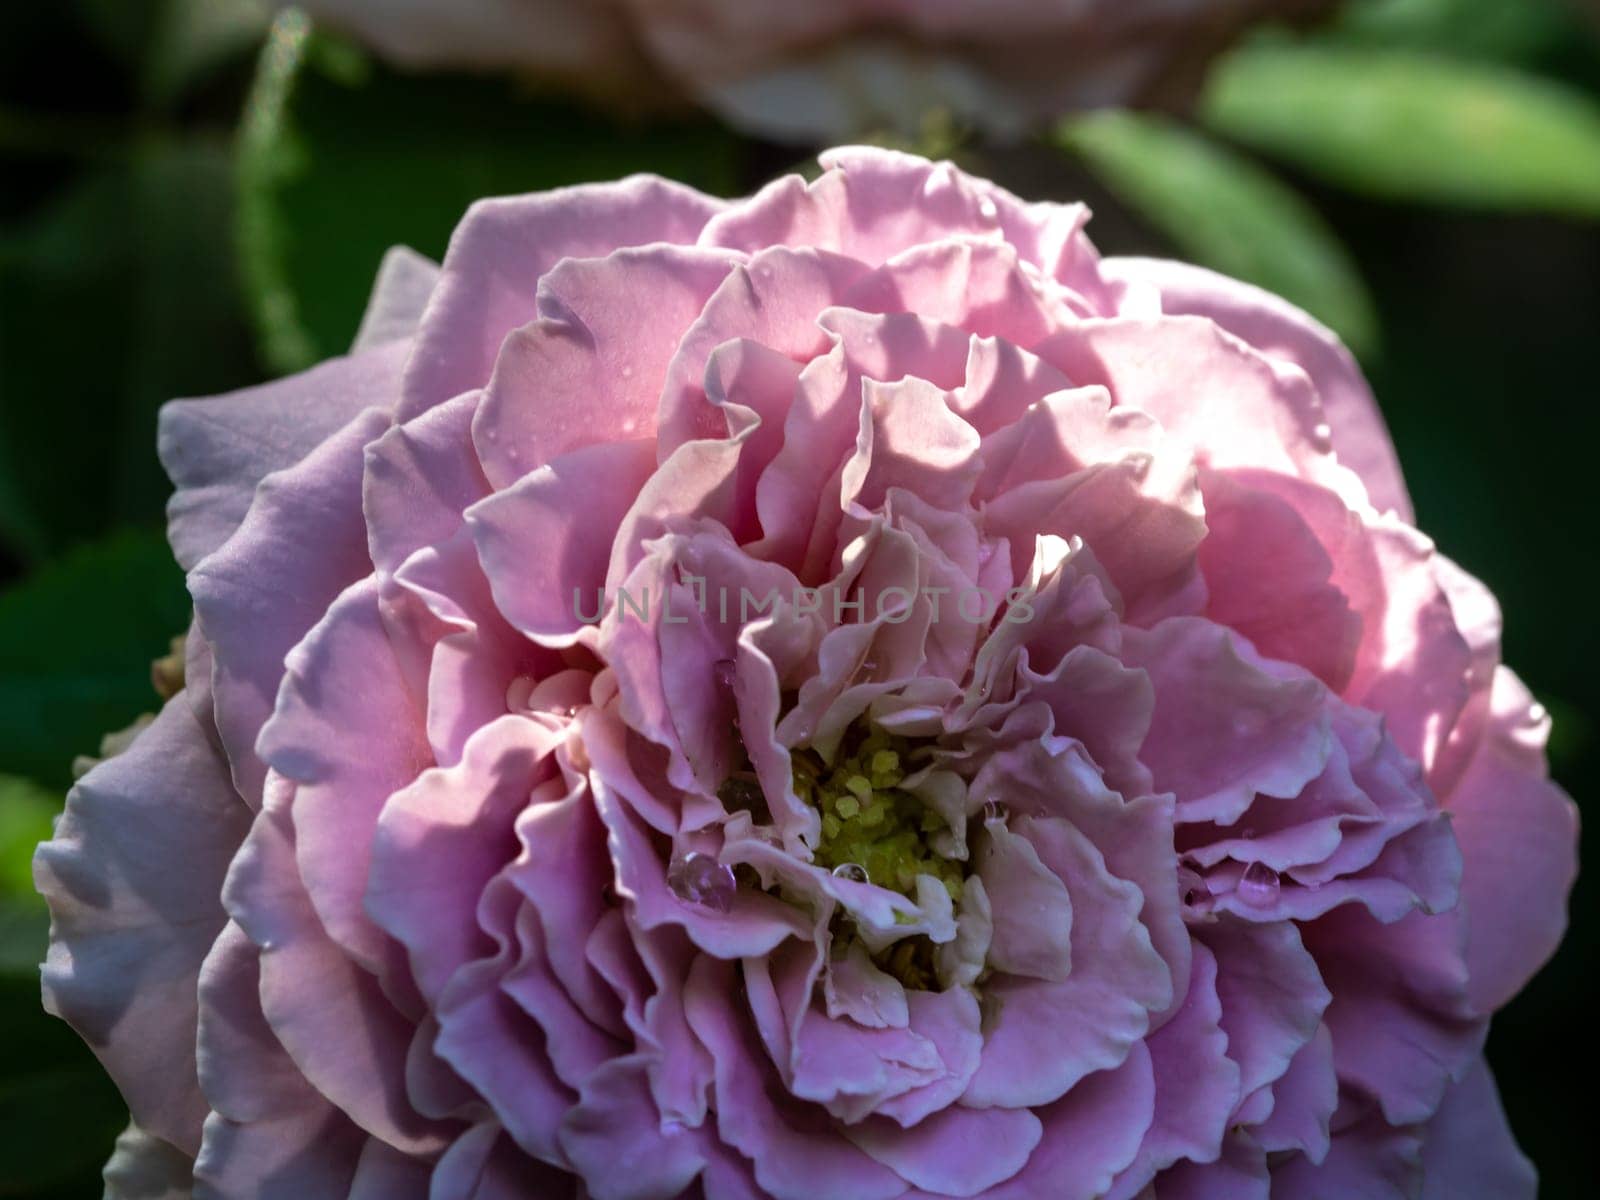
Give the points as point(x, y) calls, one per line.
point(828, 69)
point(842, 693)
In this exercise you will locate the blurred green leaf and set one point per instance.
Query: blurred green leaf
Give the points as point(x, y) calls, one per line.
point(114, 299)
point(26, 812)
point(76, 642)
point(1514, 32)
point(1413, 127)
point(1226, 213)
point(340, 158)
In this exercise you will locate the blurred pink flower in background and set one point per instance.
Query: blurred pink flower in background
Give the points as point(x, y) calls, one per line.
point(1191, 866)
point(830, 69)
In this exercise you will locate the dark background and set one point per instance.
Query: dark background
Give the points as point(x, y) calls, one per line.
point(144, 255)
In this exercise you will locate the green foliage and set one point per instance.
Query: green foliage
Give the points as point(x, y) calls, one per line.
point(59, 1112)
point(1493, 29)
point(76, 642)
point(1412, 126)
point(1224, 212)
point(341, 158)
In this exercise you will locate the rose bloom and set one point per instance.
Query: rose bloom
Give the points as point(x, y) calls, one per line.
point(843, 693)
point(826, 69)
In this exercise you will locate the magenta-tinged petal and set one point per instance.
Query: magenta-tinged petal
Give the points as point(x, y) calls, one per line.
point(1277, 328)
point(128, 931)
point(975, 285)
point(617, 1142)
point(1518, 833)
point(937, 1154)
point(1303, 1102)
point(1272, 994)
point(910, 439)
point(398, 299)
point(493, 1044)
point(1090, 1135)
point(1401, 1025)
point(1045, 1037)
point(348, 732)
point(545, 543)
point(588, 371)
point(301, 544)
point(218, 449)
point(1196, 1083)
point(1270, 578)
point(484, 1164)
point(1468, 1152)
point(271, 1133)
point(1140, 515)
point(1227, 724)
point(791, 1161)
point(952, 1022)
point(1368, 1158)
point(1240, 408)
point(315, 999)
point(773, 301)
point(1239, 1174)
point(418, 479)
point(440, 840)
point(501, 250)
point(563, 871)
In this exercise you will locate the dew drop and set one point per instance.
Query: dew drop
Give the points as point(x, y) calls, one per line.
point(1323, 432)
point(987, 209)
point(995, 812)
point(854, 872)
point(1259, 886)
point(699, 879)
point(1537, 713)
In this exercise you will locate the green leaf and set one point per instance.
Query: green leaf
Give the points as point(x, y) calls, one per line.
point(26, 813)
point(340, 158)
point(1224, 212)
point(118, 297)
point(76, 643)
point(1476, 28)
point(1413, 127)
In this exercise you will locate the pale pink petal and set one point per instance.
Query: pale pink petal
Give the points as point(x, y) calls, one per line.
point(1276, 327)
point(503, 247)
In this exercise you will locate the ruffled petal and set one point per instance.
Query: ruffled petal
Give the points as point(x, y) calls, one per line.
point(129, 932)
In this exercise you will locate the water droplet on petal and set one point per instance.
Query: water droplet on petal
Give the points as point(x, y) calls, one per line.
point(987, 209)
point(699, 879)
point(1259, 886)
point(995, 812)
point(1323, 432)
point(1537, 713)
point(726, 673)
point(854, 872)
